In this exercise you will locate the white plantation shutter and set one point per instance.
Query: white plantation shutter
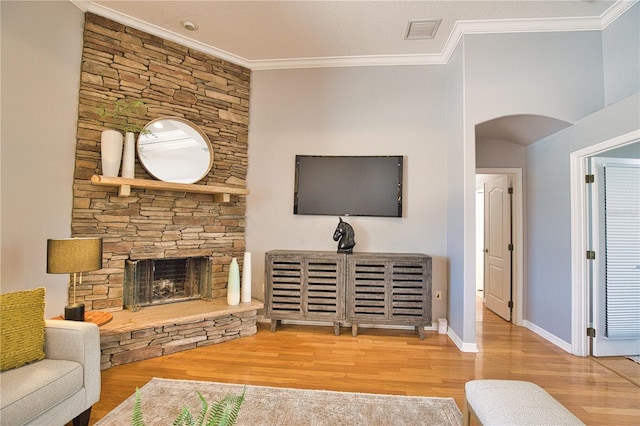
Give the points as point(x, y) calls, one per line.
point(622, 244)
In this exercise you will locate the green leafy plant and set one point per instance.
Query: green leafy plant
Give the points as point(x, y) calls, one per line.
point(220, 413)
point(122, 114)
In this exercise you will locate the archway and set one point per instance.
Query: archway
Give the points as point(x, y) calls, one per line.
point(501, 151)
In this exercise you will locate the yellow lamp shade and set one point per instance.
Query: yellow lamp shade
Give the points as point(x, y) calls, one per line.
point(70, 255)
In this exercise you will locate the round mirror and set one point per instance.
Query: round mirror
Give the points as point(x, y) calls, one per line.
point(175, 150)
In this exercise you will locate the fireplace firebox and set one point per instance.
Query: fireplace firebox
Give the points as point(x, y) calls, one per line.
point(158, 281)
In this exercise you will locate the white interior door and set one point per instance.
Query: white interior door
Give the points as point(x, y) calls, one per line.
point(497, 269)
point(616, 268)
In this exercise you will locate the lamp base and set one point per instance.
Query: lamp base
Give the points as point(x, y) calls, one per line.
point(74, 313)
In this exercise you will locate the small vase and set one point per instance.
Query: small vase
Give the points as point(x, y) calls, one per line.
point(129, 156)
point(245, 295)
point(233, 285)
point(111, 152)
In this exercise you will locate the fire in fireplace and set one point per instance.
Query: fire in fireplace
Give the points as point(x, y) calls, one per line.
point(158, 281)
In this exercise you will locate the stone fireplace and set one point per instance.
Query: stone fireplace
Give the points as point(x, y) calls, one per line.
point(142, 230)
point(174, 81)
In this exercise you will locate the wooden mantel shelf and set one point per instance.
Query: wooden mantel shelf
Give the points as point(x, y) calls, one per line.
point(221, 193)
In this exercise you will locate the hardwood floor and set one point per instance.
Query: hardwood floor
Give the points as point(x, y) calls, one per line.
point(622, 366)
point(390, 362)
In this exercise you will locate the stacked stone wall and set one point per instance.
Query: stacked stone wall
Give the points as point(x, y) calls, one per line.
point(120, 62)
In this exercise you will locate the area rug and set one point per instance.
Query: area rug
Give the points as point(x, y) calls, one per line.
point(162, 400)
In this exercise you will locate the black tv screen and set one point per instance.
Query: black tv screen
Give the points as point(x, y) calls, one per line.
point(348, 185)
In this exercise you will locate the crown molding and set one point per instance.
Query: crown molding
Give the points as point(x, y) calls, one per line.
point(461, 28)
point(347, 61)
point(615, 11)
point(503, 26)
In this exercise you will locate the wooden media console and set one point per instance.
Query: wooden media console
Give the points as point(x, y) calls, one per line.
point(360, 288)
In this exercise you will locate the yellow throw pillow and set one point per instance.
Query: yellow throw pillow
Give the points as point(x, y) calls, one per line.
point(21, 328)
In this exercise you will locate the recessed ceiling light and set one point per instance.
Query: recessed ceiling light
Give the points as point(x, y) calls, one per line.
point(189, 26)
point(420, 30)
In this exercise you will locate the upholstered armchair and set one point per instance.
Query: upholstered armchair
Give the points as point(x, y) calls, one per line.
point(63, 381)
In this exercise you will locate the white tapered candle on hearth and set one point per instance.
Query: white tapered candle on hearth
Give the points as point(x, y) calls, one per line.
point(246, 278)
point(233, 285)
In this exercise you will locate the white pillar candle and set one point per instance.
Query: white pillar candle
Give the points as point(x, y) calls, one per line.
point(233, 285)
point(246, 278)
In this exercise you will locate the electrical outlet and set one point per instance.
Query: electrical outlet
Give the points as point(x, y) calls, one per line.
point(438, 295)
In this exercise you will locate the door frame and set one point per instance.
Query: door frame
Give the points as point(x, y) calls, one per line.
point(479, 238)
point(517, 215)
point(580, 222)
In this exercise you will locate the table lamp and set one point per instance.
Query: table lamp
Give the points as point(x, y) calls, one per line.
point(74, 256)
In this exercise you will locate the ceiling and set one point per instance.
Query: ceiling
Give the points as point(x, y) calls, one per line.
point(302, 34)
point(272, 34)
point(522, 129)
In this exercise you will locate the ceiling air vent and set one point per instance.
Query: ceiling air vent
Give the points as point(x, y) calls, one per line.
point(420, 30)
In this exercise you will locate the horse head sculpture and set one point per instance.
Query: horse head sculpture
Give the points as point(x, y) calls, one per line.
point(344, 233)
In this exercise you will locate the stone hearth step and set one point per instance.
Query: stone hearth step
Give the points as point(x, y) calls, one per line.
point(160, 330)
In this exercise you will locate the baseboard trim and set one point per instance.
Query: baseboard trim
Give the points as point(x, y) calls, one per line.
point(463, 346)
point(565, 346)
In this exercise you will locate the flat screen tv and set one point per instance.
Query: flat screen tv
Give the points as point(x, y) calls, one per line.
point(348, 185)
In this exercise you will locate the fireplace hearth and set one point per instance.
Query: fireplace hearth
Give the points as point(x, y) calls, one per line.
point(150, 282)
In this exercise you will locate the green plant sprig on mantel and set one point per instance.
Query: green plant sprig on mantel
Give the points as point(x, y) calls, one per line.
point(122, 113)
point(221, 413)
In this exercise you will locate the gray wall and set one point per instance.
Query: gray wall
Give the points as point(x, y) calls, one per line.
point(459, 312)
point(348, 111)
point(570, 77)
point(621, 44)
point(548, 290)
point(41, 51)
point(499, 153)
point(557, 75)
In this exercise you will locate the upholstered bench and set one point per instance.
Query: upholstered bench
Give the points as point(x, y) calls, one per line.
point(512, 402)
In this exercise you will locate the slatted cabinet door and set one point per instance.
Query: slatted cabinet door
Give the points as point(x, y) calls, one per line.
point(389, 289)
point(410, 290)
point(284, 277)
point(305, 285)
point(325, 287)
point(367, 292)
